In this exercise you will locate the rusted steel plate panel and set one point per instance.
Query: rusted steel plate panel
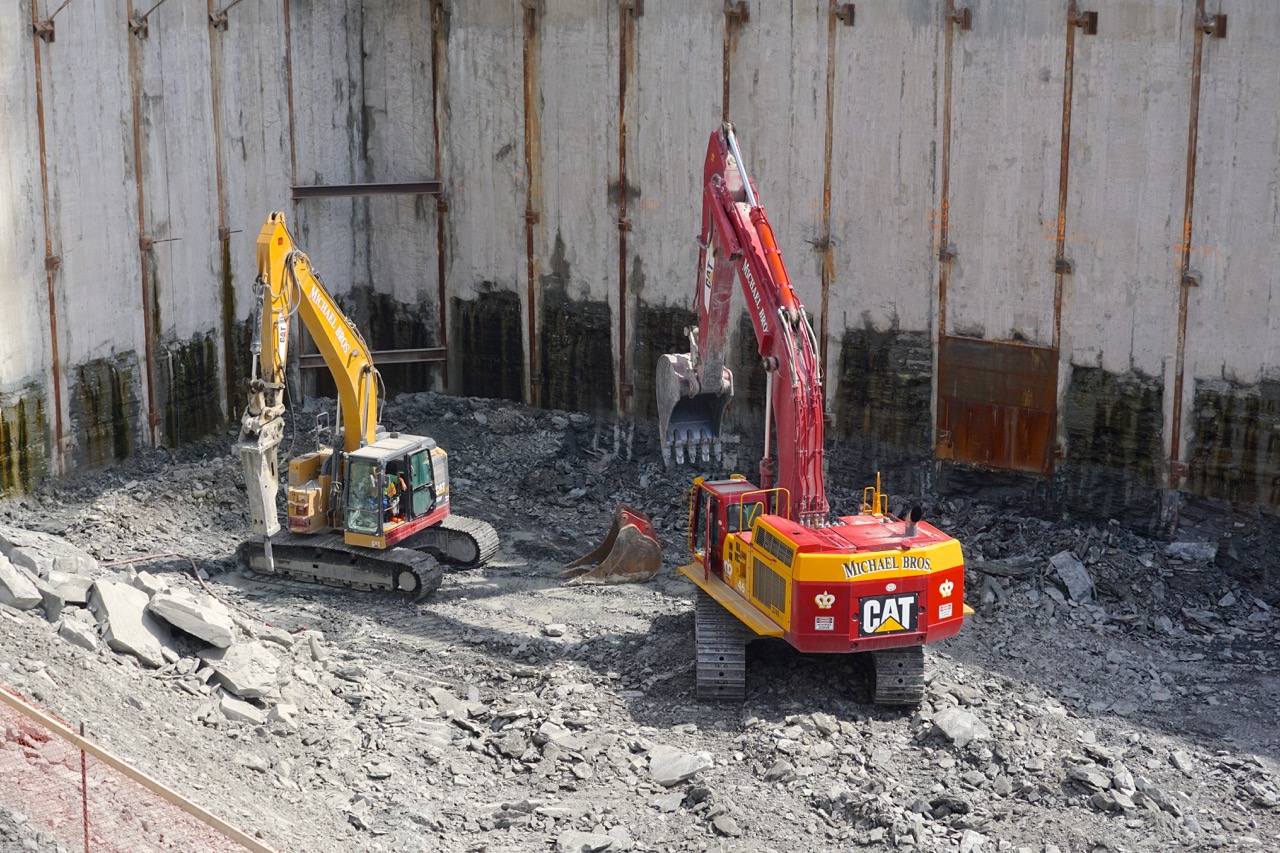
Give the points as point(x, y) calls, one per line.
point(997, 403)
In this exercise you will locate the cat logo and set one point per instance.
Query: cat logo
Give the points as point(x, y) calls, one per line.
point(944, 589)
point(824, 600)
point(887, 614)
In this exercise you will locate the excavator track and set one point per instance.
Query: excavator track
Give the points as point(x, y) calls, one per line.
point(326, 559)
point(459, 541)
point(721, 639)
point(899, 678)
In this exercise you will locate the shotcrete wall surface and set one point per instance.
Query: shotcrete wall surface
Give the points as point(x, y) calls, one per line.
point(1124, 206)
point(884, 216)
point(568, 140)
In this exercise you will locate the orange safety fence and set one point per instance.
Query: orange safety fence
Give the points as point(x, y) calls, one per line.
point(83, 798)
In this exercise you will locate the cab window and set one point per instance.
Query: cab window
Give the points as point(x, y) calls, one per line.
point(364, 497)
point(741, 516)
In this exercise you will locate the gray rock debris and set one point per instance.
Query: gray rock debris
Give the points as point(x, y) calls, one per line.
point(240, 711)
point(1074, 576)
point(16, 587)
point(43, 554)
point(206, 620)
point(572, 841)
point(669, 766)
point(961, 727)
point(79, 629)
point(74, 589)
point(126, 626)
point(246, 669)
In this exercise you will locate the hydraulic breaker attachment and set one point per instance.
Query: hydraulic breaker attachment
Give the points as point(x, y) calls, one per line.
point(631, 553)
point(688, 415)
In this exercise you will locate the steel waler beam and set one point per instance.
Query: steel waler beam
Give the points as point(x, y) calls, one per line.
point(736, 15)
point(1087, 22)
point(43, 30)
point(533, 195)
point(629, 11)
point(1205, 24)
point(145, 243)
point(837, 12)
point(438, 49)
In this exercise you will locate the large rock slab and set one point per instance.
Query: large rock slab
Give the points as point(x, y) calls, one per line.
point(79, 629)
point(126, 625)
point(206, 620)
point(240, 711)
point(960, 726)
point(42, 553)
point(73, 588)
point(670, 766)
point(16, 589)
point(1073, 574)
point(245, 669)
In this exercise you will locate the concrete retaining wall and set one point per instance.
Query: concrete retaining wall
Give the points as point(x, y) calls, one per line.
point(913, 171)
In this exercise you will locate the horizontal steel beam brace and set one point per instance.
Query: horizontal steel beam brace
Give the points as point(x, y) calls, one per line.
point(402, 188)
point(386, 356)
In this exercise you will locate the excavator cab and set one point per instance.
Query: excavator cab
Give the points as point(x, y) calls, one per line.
point(394, 488)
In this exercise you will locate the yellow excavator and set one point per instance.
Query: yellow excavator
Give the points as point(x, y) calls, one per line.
point(371, 510)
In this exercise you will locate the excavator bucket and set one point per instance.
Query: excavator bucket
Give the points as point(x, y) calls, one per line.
point(689, 416)
point(631, 553)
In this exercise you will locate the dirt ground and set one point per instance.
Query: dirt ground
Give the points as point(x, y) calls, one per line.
point(511, 712)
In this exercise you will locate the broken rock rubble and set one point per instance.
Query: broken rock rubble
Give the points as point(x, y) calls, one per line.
point(462, 724)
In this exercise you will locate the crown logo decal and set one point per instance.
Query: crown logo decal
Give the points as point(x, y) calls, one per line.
point(945, 588)
point(824, 600)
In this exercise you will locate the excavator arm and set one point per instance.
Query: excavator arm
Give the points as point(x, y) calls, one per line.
point(287, 283)
point(737, 243)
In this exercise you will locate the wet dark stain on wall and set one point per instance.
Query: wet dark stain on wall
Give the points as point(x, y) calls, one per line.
point(239, 359)
point(229, 342)
point(577, 354)
point(486, 346)
point(883, 394)
point(575, 344)
point(24, 442)
point(389, 324)
point(1114, 445)
point(106, 414)
point(189, 386)
point(659, 330)
point(1235, 450)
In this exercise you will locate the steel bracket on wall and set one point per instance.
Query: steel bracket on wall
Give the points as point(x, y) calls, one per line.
point(218, 20)
point(1063, 266)
point(1087, 21)
point(843, 12)
point(1212, 25)
point(635, 7)
point(961, 17)
point(739, 9)
point(44, 29)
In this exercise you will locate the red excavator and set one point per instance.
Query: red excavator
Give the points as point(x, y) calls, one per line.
point(769, 560)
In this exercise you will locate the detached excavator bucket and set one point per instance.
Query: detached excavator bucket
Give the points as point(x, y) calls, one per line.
point(689, 416)
point(631, 553)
